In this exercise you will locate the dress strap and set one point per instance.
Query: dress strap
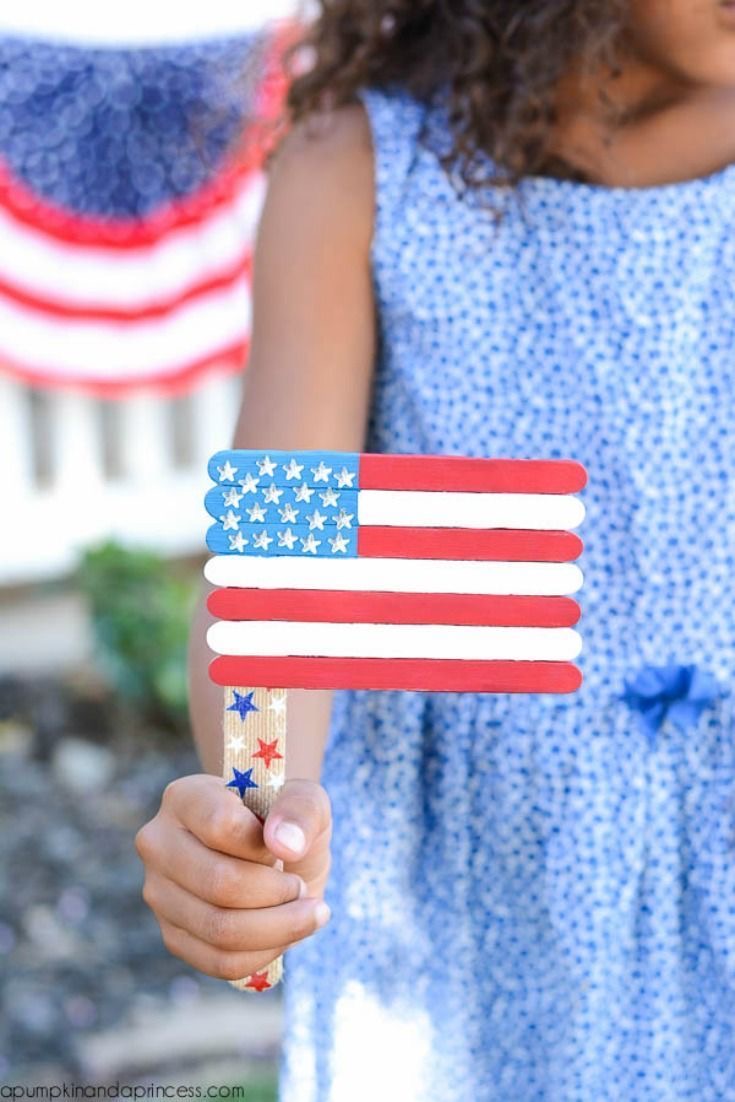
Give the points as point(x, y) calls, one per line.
point(395, 119)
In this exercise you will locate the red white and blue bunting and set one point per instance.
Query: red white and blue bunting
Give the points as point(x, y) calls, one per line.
point(130, 186)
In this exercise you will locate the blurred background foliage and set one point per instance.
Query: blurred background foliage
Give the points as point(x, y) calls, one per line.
point(141, 611)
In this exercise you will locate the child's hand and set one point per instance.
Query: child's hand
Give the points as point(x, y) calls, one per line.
point(210, 878)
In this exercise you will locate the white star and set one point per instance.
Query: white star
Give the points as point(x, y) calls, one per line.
point(322, 472)
point(277, 780)
point(238, 543)
point(237, 742)
point(339, 543)
point(304, 492)
point(271, 494)
point(262, 540)
point(257, 513)
point(249, 484)
point(230, 521)
point(266, 467)
point(278, 705)
point(289, 515)
point(286, 539)
point(345, 478)
point(316, 520)
point(227, 473)
point(309, 545)
point(232, 497)
point(329, 497)
point(293, 469)
point(344, 519)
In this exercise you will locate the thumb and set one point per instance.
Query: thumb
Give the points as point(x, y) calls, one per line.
point(298, 828)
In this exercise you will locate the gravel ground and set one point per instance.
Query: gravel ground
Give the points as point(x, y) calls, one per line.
point(88, 992)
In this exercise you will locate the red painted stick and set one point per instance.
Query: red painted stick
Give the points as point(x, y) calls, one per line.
point(349, 606)
point(421, 675)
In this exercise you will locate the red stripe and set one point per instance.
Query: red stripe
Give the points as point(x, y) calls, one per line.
point(352, 607)
point(128, 314)
point(457, 473)
point(165, 380)
point(124, 233)
point(422, 675)
point(502, 544)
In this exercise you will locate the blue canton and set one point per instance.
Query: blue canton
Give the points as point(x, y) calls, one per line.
point(303, 504)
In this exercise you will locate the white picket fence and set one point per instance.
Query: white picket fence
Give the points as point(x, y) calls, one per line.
point(75, 470)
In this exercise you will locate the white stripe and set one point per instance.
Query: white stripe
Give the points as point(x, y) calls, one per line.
point(395, 575)
point(138, 21)
point(99, 349)
point(71, 274)
point(437, 509)
point(326, 640)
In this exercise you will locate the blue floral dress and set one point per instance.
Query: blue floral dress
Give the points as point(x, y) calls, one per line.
point(534, 896)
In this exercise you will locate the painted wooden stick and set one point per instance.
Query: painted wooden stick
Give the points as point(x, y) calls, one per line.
point(254, 762)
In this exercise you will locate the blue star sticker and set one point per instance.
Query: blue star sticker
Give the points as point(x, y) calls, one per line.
point(242, 781)
point(243, 703)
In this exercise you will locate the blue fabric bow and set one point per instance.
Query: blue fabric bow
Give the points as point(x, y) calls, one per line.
point(678, 693)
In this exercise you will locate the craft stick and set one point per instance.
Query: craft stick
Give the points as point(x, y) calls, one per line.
point(400, 575)
point(345, 510)
point(279, 537)
point(254, 763)
point(341, 606)
point(445, 641)
point(401, 472)
point(415, 674)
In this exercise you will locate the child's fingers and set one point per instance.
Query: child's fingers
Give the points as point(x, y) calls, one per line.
point(215, 877)
point(205, 806)
point(220, 963)
point(231, 929)
point(298, 827)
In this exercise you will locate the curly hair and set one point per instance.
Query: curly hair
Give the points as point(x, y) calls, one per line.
point(499, 62)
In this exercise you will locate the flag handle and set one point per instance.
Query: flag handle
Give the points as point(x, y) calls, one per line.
point(254, 760)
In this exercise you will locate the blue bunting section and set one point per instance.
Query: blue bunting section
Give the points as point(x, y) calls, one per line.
point(122, 132)
point(131, 185)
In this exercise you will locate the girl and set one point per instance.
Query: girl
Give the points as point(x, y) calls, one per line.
point(502, 229)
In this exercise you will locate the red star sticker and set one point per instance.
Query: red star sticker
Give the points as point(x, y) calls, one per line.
point(267, 752)
point(258, 981)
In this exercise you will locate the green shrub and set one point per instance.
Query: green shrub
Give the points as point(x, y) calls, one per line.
point(141, 609)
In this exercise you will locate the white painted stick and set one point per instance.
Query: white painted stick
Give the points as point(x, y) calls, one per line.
point(282, 638)
point(395, 575)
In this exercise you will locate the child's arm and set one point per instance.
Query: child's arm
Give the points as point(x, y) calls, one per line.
point(308, 377)
point(308, 386)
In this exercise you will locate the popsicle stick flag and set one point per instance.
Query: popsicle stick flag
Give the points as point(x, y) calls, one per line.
point(339, 570)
